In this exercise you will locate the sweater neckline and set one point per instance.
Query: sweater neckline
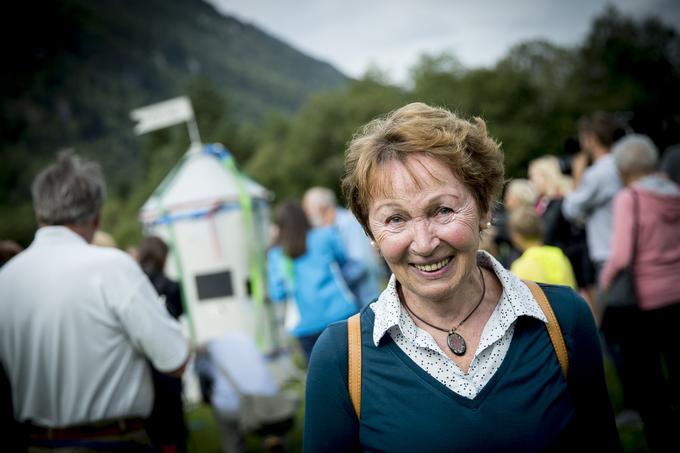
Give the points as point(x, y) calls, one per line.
point(478, 400)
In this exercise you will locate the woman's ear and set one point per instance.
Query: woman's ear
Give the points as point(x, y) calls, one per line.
point(485, 221)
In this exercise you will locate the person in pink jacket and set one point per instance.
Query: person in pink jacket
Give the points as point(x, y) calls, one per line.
point(648, 332)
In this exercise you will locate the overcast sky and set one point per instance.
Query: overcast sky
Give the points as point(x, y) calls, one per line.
point(352, 34)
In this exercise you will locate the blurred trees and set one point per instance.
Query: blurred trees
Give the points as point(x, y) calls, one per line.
point(296, 153)
point(531, 100)
point(75, 68)
point(633, 66)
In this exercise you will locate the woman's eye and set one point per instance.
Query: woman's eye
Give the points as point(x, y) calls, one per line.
point(394, 220)
point(444, 211)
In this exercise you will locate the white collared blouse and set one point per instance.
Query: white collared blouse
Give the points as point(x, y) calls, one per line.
point(516, 300)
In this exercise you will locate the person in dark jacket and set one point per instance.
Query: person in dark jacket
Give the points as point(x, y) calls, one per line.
point(165, 425)
point(551, 186)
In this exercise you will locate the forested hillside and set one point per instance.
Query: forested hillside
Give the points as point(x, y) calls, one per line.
point(73, 69)
point(531, 100)
point(79, 67)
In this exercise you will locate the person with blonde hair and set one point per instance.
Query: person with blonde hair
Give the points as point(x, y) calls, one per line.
point(547, 178)
point(552, 186)
point(519, 192)
point(455, 346)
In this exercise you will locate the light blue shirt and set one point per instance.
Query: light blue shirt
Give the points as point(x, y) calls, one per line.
point(591, 202)
point(366, 286)
point(316, 283)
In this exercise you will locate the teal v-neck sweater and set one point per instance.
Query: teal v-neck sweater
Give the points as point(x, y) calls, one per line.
point(527, 405)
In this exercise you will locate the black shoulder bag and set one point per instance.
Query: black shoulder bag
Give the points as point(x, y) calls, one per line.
point(622, 292)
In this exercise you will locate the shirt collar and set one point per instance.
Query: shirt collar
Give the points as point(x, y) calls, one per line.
point(57, 234)
point(516, 300)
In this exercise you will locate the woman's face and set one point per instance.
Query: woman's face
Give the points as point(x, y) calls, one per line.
point(428, 232)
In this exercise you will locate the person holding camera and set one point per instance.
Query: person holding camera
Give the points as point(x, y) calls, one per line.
point(595, 186)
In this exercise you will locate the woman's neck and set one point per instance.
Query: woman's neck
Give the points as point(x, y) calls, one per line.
point(454, 307)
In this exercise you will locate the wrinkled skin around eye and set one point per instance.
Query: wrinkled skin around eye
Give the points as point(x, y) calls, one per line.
point(433, 221)
point(400, 222)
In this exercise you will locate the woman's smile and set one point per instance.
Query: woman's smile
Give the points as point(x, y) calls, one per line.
point(434, 267)
point(427, 231)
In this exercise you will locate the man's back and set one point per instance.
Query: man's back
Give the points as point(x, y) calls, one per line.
point(78, 321)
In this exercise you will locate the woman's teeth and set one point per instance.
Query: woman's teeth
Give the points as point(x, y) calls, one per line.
point(432, 267)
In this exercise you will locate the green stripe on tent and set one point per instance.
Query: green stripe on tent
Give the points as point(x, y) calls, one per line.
point(256, 254)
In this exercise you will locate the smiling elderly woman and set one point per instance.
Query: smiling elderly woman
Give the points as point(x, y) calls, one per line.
point(456, 355)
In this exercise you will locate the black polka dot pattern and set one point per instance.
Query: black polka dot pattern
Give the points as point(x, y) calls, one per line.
point(516, 300)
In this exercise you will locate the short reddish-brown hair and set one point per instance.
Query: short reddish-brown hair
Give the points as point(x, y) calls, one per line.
point(462, 146)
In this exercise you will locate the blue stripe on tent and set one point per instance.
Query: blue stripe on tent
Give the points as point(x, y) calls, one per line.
point(170, 218)
point(217, 150)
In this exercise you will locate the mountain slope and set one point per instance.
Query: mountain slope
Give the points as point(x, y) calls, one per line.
point(75, 68)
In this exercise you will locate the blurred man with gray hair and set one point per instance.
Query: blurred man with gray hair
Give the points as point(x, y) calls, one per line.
point(322, 209)
point(79, 323)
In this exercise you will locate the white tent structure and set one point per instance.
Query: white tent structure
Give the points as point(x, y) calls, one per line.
point(216, 222)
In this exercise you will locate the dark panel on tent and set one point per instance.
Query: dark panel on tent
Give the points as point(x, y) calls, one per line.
point(218, 284)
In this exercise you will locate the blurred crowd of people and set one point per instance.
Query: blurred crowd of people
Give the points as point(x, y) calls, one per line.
point(92, 360)
point(576, 225)
point(86, 345)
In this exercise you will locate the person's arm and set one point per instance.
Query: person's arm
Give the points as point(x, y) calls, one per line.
point(352, 270)
point(178, 372)
point(145, 320)
point(621, 241)
point(330, 422)
point(579, 203)
point(594, 414)
point(276, 280)
point(579, 164)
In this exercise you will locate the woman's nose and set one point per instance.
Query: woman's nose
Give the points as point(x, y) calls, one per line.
point(424, 238)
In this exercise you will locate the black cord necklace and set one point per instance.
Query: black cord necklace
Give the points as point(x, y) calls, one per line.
point(454, 341)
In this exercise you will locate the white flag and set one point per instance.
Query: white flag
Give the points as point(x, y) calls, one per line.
point(162, 114)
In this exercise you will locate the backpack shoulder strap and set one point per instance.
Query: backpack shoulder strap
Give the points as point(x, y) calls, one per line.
point(354, 344)
point(553, 326)
point(354, 356)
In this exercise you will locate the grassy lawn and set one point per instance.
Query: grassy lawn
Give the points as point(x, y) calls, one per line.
point(633, 439)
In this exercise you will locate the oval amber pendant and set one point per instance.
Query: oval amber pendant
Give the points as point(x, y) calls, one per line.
point(456, 343)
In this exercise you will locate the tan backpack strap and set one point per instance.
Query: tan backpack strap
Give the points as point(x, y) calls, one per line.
point(354, 355)
point(553, 326)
